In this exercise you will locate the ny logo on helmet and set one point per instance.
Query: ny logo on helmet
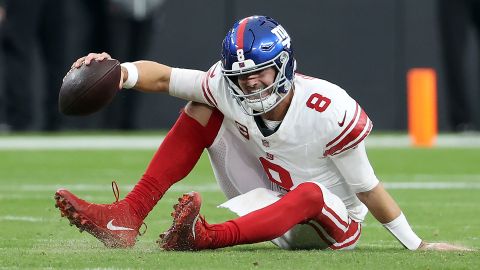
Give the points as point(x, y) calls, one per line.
point(280, 32)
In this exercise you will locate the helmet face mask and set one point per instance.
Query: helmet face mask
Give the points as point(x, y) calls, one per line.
point(252, 45)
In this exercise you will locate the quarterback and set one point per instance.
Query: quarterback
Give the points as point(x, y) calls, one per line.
point(287, 150)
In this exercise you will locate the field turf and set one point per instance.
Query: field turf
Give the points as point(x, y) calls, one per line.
point(34, 236)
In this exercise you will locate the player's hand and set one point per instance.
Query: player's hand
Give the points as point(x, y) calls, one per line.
point(89, 58)
point(96, 57)
point(442, 247)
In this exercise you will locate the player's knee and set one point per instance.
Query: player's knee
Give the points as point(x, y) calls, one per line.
point(198, 111)
point(310, 193)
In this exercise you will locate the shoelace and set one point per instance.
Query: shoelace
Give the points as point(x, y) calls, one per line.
point(208, 230)
point(116, 193)
point(204, 222)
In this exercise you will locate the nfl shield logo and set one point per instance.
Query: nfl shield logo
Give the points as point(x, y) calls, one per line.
point(265, 143)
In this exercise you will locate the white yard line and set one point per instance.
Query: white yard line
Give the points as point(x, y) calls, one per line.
point(21, 218)
point(431, 185)
point(442, 178)
point(212, 187)
point(80, 142)
point(443, 141)
point(152, 142)
point(99, 187)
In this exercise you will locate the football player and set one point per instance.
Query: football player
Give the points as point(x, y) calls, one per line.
point(287, 150)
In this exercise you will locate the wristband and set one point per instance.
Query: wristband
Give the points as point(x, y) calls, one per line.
point(400, 228)
point(132, 77)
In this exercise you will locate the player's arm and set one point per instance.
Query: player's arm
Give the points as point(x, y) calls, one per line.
point(357, 171)
point(146, 76)
point(384, 208)
point(149, 76)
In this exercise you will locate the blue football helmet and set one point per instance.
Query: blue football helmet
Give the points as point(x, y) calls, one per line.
point(255, 43)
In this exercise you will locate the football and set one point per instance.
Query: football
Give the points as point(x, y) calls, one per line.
point(88, 89)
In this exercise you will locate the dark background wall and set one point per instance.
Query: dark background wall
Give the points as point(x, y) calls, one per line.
point(366, 47)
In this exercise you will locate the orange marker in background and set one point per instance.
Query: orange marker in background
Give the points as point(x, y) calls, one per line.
point(422, 106)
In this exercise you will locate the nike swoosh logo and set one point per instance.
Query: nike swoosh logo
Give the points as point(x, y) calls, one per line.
point(112, 227)
point(343, 121)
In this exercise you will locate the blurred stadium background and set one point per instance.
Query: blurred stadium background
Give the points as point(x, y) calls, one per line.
point(366, 47)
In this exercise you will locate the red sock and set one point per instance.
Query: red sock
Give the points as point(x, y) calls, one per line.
point(299, 205)
point(174, 159)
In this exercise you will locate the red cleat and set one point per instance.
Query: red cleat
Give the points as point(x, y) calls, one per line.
point(189, 230)
point(116, 225)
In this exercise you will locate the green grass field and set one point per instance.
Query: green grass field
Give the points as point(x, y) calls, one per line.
point(34, 236)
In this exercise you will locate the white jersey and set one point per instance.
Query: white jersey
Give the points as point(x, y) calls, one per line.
point(322, 122)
